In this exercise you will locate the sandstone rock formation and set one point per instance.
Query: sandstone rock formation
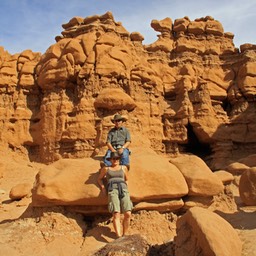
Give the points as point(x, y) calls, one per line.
point(154, 184)
point(200, 232)
point(190, 91)
point(20, 190)
point(58, 230)
point(247, 188)
point(190, 102)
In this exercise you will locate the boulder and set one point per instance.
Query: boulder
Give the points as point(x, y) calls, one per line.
point(128, 246)
point(68, 182)
point(114, 99)
point(153, 177)
point(19, 191)
point(202, 232)
point(74, 182)
point(237, 168)
point(224, 176)
point(247, 186)
point(199, 177)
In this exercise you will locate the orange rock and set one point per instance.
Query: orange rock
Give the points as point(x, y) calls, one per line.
point(19, 191)
point(149, 180)
point(114, 99)
point(202, 230)
point(247, 188)
point(200, 179)
point(164, 98)
point(224, 176)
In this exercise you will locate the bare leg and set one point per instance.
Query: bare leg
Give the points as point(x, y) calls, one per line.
point(117, 224)
point(126, 221)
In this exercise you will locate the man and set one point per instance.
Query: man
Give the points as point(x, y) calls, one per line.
point(118, 140)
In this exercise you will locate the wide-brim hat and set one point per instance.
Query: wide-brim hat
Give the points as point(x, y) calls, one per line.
point(114, 155)
point(118, 117)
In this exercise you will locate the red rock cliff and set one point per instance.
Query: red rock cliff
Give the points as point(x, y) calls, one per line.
point(190, 91)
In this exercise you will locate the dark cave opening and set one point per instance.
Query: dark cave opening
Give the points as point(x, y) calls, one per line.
point(194, 146)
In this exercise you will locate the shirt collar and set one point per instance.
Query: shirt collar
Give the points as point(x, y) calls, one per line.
point(119, 128)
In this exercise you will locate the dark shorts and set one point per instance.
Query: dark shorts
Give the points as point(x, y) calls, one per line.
point(119, 205)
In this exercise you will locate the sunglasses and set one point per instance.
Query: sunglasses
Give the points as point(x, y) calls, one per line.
point(115, 158)
point(117, 121)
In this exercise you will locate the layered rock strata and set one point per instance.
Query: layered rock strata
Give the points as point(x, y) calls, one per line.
point(190, 91)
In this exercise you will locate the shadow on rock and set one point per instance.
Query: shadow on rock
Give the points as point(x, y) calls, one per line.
point(241, 219)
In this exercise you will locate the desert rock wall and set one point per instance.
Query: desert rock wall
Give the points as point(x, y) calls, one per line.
point(189, 91)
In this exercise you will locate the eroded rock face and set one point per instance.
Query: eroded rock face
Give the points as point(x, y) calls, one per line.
point(19, 100)
point(190, 91)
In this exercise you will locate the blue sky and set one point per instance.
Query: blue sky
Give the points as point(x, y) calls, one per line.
point(33, 24)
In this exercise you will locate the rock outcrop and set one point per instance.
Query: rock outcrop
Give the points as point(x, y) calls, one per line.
point(190, 91)
point(247, 188)
point(201, 232)
point(189, 98)
point(154, 184)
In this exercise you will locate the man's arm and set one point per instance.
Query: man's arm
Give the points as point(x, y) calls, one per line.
point(126, 144)
point(110, 147)
point(108, 143)
point(128, 138)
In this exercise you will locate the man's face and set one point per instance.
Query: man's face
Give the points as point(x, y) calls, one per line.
point(118, 123)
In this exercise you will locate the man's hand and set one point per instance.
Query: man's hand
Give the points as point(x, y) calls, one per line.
point(120, 151)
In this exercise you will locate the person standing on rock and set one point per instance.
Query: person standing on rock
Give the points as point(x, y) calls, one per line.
point(118, 140)
point(117, 190)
